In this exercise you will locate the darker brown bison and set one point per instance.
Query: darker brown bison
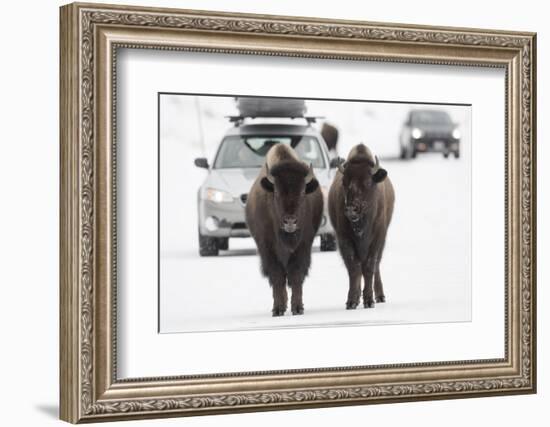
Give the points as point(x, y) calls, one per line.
point(283, 213)
point(330, 135)
point(361, 200)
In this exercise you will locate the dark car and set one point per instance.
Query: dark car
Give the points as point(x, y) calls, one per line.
point(429, 131)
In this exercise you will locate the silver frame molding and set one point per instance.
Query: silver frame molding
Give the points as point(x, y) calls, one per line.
point(90, 37)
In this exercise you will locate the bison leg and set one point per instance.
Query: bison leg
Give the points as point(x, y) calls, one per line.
point(280, 299)
point(378, 287)
point(354, 293)
point(277, 280)
point(296, 302)
point(354, 272)
point(297, 271)
point(368, 272)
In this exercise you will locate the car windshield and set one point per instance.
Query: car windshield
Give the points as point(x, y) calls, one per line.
point(248, 151)
point(430, 117)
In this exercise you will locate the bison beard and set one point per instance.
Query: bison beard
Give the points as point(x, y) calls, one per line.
point(283, 213)
point(361, 200)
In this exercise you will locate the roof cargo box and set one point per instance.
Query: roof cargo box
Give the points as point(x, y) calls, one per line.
point(271, 107)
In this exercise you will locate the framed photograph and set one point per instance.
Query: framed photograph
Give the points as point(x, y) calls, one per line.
point(267, 212)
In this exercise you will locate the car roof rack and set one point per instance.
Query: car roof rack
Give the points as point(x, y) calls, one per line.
point(238, 120)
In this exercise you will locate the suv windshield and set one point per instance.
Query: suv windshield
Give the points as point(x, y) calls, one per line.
point(430, 117)
point(249, 151)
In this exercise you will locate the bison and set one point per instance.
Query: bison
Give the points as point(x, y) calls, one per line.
point(361, 200)
point(330, 135)
point(283, 213)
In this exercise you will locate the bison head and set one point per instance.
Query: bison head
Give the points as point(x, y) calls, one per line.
point(361, 176)
point(290, 182)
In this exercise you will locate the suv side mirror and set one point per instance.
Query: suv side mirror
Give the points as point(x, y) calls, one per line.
point(335, 162)
point(201, 162)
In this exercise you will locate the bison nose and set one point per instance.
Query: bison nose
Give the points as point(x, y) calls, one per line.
point(290, 223)
point(352, 210)
point(289, 220)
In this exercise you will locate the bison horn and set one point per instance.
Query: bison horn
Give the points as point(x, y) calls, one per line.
point(270, 177)
point(342, 167)
point(309, 175)
point(376, 165)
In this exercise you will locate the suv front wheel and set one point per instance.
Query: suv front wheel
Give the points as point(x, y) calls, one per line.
point(208, 246)
point(328, 242)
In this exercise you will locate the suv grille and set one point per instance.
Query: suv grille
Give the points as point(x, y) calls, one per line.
point(438, 135)
point(239, 226)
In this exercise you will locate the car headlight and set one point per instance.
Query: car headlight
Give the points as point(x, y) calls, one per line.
point(216, 196)
point(456, 134)
point(417, 133)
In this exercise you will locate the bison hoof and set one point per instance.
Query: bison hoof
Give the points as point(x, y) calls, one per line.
point(369, 304)
point(351, 305)
point(381, 298)
point(279, 311)
point(298, 310)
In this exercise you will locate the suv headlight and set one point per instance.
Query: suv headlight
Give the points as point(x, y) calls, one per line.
point(417, 133)
point(216, 196)
point(456, 134)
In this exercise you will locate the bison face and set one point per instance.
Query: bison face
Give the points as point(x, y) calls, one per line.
point(290, 182)
point(360, 181)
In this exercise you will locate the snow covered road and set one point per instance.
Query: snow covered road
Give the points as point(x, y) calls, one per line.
point(426, 266)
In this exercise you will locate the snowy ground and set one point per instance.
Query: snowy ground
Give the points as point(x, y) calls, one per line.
point(425, 270)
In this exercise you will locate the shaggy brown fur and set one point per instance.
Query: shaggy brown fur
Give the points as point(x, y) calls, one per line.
point(283, 213)
point(361, 200)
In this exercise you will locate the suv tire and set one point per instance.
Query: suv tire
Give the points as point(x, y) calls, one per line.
point(208, 246)
point(223, 243)
point(328, 242)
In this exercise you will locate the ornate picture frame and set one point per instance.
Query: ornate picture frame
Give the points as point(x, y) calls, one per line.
point(90, 37)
